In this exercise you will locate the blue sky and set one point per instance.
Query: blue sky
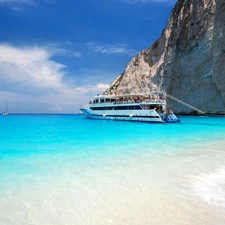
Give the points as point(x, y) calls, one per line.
point(55, 55)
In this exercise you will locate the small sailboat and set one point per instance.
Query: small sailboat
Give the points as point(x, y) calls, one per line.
point(6, 112)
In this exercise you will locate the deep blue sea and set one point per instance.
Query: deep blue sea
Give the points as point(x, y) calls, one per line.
point(65, 169)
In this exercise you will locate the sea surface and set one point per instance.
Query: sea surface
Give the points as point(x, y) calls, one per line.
point(65, 169)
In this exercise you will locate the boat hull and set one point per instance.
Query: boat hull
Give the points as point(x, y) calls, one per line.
point(135, 115)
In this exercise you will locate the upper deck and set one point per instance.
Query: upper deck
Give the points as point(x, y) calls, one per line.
point(130, 99)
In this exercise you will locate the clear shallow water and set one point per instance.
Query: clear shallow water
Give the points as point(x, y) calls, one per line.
point(64, 169)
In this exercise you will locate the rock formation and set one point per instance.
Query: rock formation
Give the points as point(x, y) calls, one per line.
point(187, 61)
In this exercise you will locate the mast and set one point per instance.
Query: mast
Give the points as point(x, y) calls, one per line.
point(6, 106)
point(6, 112)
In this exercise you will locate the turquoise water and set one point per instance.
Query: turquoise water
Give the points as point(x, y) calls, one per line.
point(65, 169)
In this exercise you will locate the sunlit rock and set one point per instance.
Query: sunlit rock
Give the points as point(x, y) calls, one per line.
point(187, 61)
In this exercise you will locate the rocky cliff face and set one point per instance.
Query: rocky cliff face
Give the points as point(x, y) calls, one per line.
point(187, 61)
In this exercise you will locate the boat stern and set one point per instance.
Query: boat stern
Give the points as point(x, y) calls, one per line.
point(170, 117)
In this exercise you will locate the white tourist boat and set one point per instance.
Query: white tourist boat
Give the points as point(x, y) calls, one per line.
point(138, 107)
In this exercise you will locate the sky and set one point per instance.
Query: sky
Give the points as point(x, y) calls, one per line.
point(56, 54)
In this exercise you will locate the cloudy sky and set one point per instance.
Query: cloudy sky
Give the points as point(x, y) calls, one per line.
point(56, 54)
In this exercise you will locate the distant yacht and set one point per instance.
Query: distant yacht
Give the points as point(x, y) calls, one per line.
point(6, 112)
point(136, 107)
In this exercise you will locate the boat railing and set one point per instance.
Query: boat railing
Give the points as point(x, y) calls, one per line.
point(151, 101)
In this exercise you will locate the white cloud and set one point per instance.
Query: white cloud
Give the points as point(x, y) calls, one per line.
point(29, 70)
point(66, 101)
point(32, 82)
point(111, 49)
point(17, 1)
point(57, 108)
point(28, 1)
point(56, 49)
point(95, 89)
point(97, 75)
point(18, 5)
point(16, 8)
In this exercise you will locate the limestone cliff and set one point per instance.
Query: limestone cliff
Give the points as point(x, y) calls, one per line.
point(187, 61)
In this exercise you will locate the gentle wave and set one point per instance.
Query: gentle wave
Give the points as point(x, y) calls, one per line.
point(211, 187)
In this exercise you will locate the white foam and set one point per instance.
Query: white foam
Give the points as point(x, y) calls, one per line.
point(211, 187)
